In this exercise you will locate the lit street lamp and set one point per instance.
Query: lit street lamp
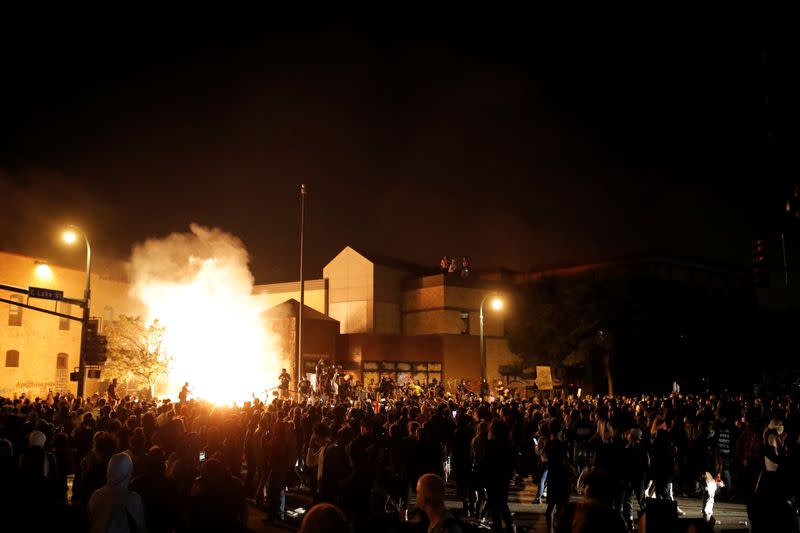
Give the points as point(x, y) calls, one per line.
point(70, 237)
point(497, 305)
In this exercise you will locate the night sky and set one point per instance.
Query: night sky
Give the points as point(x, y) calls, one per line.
point(504, 138)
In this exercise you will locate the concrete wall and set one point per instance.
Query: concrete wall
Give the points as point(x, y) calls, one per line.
point(40, 338)
point(316, 293)
point(350, 291)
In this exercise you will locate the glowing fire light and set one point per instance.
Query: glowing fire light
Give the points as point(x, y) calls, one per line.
point(199, 287)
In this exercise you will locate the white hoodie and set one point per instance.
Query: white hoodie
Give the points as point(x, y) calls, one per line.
point(114, 508)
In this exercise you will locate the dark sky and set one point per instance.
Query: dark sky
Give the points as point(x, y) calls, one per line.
point(505, 138)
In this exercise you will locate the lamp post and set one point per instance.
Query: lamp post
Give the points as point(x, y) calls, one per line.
point(70, 237)
point(302, 292)
point(497, 304)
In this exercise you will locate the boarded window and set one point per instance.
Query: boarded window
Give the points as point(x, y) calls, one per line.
point(15, 312)
point(12, 358)
point(403, 372)
point(62, 360)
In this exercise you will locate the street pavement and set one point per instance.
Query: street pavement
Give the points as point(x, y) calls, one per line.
point(527, 516)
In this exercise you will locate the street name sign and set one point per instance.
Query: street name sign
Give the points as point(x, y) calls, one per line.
point(45, 294)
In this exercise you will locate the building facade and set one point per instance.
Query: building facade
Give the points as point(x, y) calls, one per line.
point(396, 319)
point(374, 316)
point(38, 350)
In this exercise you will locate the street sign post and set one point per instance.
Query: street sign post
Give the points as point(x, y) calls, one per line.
point(45, 294)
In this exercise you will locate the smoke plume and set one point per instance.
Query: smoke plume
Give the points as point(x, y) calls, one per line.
point(199, 286)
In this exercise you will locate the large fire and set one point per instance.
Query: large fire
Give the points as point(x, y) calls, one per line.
point(199, 287)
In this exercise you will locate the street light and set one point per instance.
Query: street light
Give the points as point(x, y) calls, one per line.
point(43, 271)
point(497, 305)
point(70, 237)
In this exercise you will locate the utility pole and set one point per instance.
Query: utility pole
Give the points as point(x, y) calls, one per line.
point(71, 236)
point(302, 291)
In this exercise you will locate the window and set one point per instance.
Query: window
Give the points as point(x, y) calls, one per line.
point(63, 323)
point(12, 358)
point(465, 323)
point(15, 312)
point(62, 360)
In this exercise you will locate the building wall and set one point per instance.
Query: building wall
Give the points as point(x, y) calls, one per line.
point(462, 360)
point(433, 321)
point(39, 339)
point(459, 355)
point(498, 354)
point(316, 293)
point(350, 291)
point(387, 318)
point(319, 341)
point(425, 297)
point(468, 299)
point(368, 356)
point(388, 283)
point(434, 307)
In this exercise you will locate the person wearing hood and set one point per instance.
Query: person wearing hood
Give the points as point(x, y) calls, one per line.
point(35, 454)
point(114, 508)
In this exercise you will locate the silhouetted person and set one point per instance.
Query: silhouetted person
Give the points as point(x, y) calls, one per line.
point(184, 394)
point(324, 518)
point(217, 500)
point(114, 508)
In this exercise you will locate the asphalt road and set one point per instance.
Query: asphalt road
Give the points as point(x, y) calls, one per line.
point(527, 516)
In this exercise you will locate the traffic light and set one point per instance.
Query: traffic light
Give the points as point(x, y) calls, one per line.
point(94, 346)
point(759, 257)
point(760, 270)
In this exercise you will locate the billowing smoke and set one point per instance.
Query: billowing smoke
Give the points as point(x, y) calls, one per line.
point(199, 286)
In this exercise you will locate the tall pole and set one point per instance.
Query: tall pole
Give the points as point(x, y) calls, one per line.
point(785, 266)
point(483, 346)
point(302, 290)
point(87, 292)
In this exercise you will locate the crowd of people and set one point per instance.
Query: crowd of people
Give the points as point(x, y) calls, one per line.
point(383, 460)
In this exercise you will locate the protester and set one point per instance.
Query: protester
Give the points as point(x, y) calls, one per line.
point(324, 518)
point(114, 508)
point(196, 464)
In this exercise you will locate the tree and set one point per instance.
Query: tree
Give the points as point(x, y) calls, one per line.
point(136, 351)
point(570, 321)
